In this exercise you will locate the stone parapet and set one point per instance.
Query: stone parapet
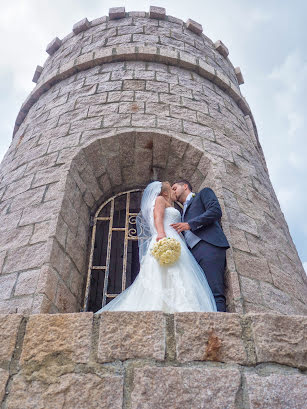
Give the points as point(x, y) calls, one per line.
point(150, 360)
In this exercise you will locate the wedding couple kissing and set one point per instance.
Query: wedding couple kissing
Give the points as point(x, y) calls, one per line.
point(195, 282)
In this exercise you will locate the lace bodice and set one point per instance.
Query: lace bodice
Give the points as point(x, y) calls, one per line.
point(171, 215)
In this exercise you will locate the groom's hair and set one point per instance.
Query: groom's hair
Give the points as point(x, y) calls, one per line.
point(184, 182)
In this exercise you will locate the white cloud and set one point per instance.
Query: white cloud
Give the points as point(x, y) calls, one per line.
point(286, 148)
point(290, 78)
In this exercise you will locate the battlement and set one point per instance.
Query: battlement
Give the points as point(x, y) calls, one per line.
point(138, 36)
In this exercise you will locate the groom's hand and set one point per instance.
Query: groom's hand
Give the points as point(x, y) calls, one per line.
point(179, 227)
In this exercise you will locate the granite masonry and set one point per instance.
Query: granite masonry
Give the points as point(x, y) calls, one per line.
point(120, 101)
point(151, 360)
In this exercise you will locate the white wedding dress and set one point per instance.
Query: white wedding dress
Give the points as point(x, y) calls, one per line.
point(179, 287)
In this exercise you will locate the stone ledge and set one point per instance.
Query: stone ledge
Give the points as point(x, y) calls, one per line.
point(280, 338)
point(65, 334)
point(124, 53)
point(143, 337)
point(214, 366)
point(212, 337)
point(215, 337)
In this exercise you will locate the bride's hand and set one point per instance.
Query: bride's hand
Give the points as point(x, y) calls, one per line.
point(160, 236)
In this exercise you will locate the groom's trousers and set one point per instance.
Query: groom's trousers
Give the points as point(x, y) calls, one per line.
point(212, 260)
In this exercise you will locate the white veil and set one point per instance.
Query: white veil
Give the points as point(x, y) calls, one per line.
point(145, 220)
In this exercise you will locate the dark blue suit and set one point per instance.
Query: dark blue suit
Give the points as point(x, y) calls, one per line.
point(203, 213)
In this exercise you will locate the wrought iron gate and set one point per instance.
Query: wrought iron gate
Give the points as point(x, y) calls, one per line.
point(114, 261)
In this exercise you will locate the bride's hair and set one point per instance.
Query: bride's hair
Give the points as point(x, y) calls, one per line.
point(166, 186)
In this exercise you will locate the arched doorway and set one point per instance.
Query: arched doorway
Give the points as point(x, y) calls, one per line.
point(105, 170)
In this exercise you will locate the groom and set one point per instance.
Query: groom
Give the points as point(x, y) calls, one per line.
point(204, 235)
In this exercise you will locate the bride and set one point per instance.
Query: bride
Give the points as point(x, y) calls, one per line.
point(178, 287)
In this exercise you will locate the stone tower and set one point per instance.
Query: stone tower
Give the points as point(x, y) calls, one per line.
point(121, 101)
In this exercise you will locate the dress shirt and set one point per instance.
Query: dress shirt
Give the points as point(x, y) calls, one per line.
point(190, 237)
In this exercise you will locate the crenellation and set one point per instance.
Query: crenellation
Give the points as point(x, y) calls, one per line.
point(194, 26)
point(53, 46)
point(117, 13)
point(37, 73)
point(80, 26)
point(239, 75)
point(221, 48)
point(157, 12)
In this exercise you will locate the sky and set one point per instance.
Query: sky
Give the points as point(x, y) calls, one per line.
point(265, 39)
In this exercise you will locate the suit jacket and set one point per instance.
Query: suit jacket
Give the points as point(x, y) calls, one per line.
point(203, 213)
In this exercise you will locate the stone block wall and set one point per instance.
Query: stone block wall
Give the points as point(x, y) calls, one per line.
point(151, 360)
point(115, 104)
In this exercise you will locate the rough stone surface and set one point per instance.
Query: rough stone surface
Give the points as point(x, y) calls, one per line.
point(252, 267)
point(280, 339)
point(127, 335)
point(157, 12)
point(7, 283)
point(37, 73)
point(69, 391)
point(9, 325)
point(53, 367)
point(25, 258)
point(81, 25)
point(68, 335)
point(26, 283)
point(277, 391)
point(116, 12)
point(4, 376)
point(239, 75)
point(194, 26)
point(54, 45)
point(213, 337)
point(221, 48)
point(177, 388)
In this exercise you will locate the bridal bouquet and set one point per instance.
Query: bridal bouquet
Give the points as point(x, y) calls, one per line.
point(166, 251)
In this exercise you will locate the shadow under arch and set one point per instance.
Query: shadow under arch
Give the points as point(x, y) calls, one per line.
point(113, 164)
